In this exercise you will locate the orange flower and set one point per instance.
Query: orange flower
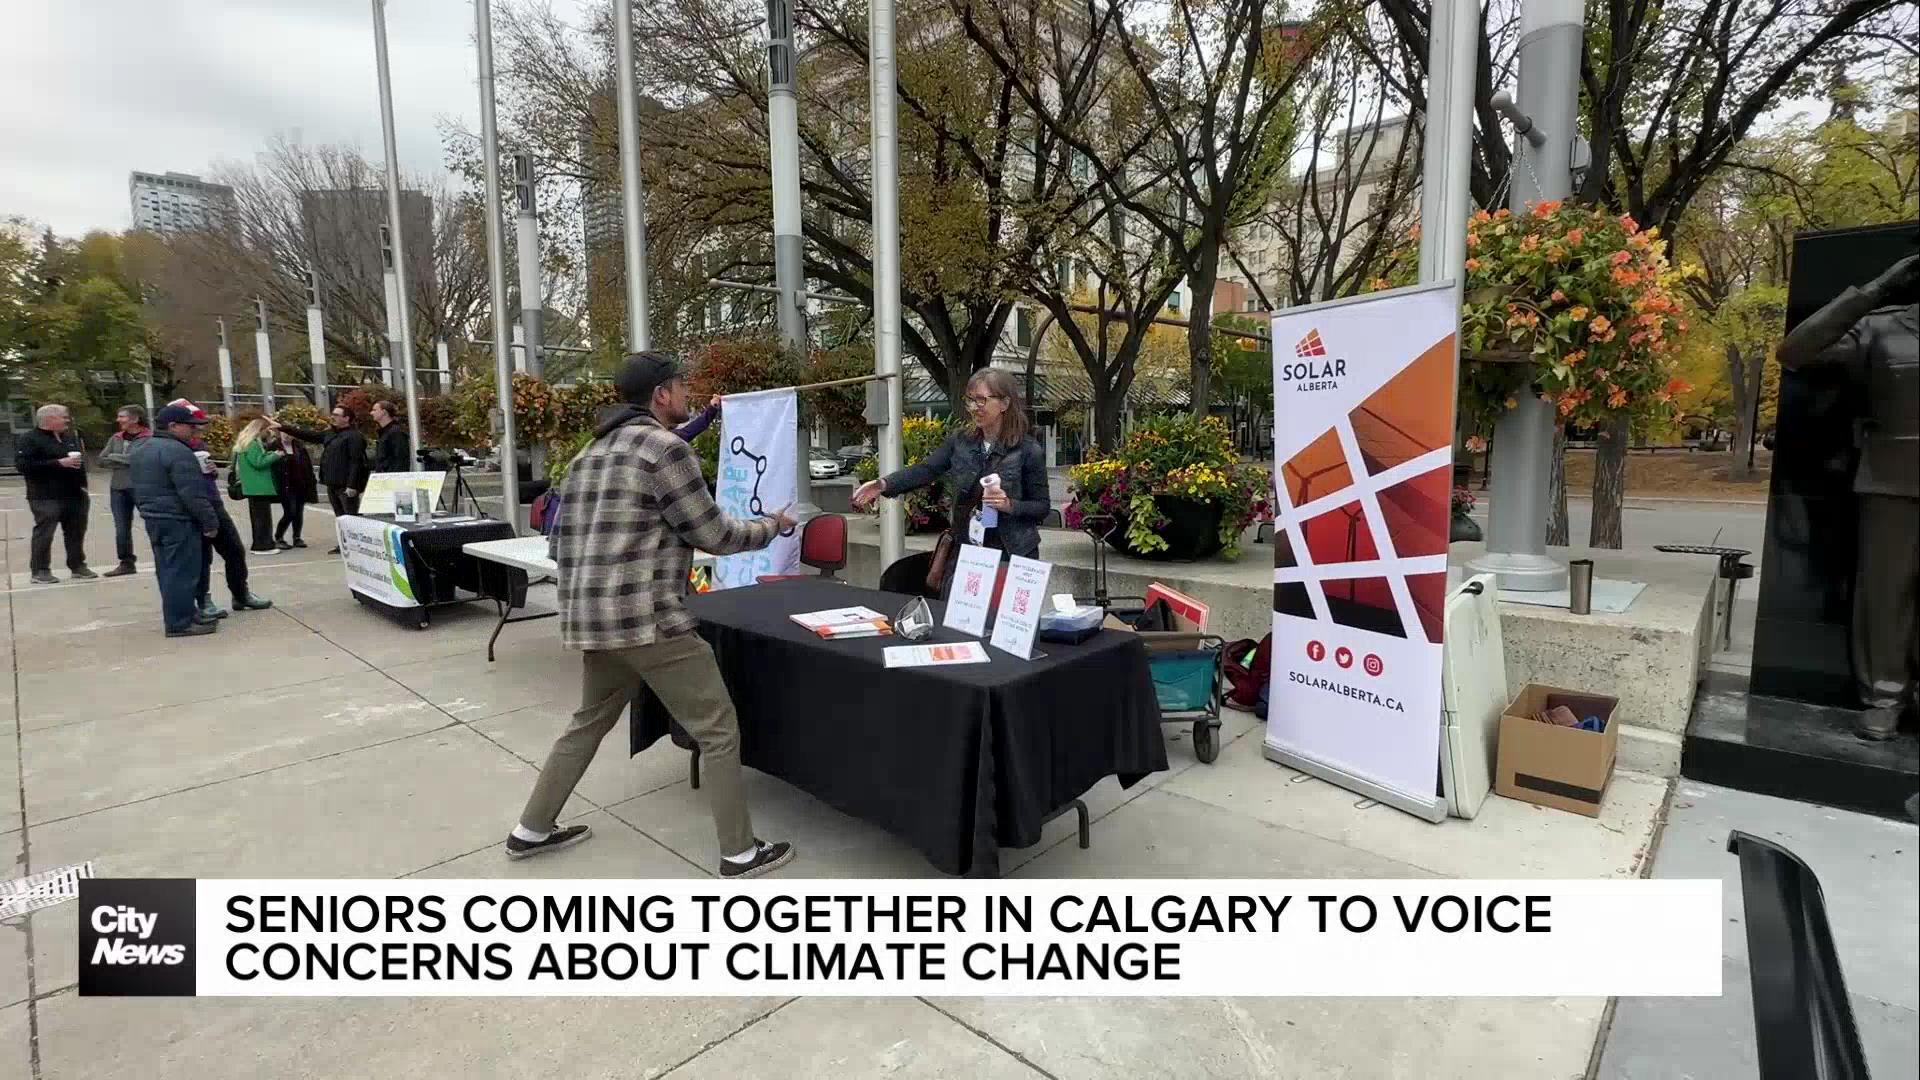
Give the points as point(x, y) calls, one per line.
point(1546, 206)
point(1599, 325)
point(1574, 236)
point(1620, 258)
point(1579, 313)
point(1475, 444)
point(1678, 386)
point(1630, 225)
point(1616, 397)
point(1573, 358)
point(1502, 214)
point(1473, 241)
point(1558, 296)
point(1473, 264)
point(1556, 254)
point(1529, 243)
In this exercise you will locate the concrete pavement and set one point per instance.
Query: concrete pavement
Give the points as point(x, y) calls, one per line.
point(321, 740)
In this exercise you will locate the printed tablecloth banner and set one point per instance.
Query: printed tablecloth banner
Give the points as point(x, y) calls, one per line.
point(375, 562)
point(1363, 473)
point(757, 433)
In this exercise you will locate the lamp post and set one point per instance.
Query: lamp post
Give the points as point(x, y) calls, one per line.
point(397, 250)
point(1544, 125)
point(633, 221)
point(317, 341)
point(881, 86)
point(497, 269)
point(789, 273)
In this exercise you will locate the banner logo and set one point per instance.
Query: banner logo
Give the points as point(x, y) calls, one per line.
point(137, 937)
point(1317, 373)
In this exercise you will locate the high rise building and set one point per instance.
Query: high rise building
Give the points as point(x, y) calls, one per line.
point(343, 231)
point(174, 201)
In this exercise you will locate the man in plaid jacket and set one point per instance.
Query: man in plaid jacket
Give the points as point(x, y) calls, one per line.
point(637, 507)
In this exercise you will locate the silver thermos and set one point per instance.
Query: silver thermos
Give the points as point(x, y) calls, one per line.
point(1580, 586)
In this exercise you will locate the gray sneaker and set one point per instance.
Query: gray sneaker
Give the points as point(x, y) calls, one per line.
point(766, 859)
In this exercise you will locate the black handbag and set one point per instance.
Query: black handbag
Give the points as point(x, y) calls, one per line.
point(233, 485)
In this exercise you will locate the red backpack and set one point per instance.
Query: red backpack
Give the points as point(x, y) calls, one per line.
point(1249, 663)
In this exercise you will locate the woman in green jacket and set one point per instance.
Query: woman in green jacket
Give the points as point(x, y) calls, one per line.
point(253, 464)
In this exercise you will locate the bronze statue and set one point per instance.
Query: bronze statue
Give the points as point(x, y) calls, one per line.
point(1875, 333)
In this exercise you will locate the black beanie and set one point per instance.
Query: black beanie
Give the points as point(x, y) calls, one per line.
point(642, 373)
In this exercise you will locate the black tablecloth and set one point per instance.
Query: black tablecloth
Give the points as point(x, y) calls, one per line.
point(958, 761)
point(437, 566)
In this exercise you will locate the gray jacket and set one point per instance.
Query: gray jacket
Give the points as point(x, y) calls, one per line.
point(961, 462)
point(117, 458)
point(168, 484)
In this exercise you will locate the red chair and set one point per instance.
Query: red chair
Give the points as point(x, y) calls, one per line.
point(823, 546)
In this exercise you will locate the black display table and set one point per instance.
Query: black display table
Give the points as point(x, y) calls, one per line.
point(958, 761)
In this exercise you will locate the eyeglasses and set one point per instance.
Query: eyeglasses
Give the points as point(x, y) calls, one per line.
point(981, 402)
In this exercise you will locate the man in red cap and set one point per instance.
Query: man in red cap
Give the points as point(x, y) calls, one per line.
point(226, 541)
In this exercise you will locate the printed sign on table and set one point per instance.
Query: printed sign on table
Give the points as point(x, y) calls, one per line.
point(375, 562)
point(756, 477)
point(1363, 471)
point(974, 575)
point(378, 497)
point(1021, 603)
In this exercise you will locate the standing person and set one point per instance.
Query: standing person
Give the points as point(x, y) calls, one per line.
point(225, 541)
point(174, 502)
point(53, 459)
point(393, 452)
point(343, 461)
point(636, 510)
point(253, 462)
point(293, 475)
point(118, 458)
point(997, 445)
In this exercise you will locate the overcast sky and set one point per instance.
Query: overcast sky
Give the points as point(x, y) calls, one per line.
point(93, 89)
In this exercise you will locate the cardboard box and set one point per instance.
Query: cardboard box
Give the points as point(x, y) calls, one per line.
point(1565, 768)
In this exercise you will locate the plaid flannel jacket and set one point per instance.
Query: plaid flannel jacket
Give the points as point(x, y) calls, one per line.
point(637, 507)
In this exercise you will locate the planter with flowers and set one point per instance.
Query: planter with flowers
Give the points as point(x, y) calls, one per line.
point(1176, 490)
point(928, 509)
point(1463, 527)
point(1571, 303)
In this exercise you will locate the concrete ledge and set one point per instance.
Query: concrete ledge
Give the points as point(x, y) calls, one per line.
point(1650, 657)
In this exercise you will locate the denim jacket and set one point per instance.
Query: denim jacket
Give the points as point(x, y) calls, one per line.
point(961, 461)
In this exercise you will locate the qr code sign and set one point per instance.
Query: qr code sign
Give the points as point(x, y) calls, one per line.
point(1020, 599)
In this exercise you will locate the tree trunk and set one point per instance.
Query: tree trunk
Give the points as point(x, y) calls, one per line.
point(1557, 488)
point(1106, 418)
point(1610, 484)
point(1200, 331)
point(1746, 396)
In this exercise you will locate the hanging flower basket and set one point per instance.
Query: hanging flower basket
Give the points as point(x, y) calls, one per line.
point(1177, 490)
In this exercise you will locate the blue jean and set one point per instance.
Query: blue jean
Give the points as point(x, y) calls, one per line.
point(176, 568)
point(121, 500)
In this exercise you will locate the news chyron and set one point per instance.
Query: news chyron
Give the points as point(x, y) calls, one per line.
point(137, 937)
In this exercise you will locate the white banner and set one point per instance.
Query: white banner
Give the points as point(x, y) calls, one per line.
point(756, 476)
point(1363, 471)
point(375, 563)
point(490, 938)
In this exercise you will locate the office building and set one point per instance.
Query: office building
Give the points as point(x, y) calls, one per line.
point(174, 201)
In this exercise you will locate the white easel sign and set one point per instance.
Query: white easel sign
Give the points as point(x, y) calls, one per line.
point(1021, 603)
point(972, 592)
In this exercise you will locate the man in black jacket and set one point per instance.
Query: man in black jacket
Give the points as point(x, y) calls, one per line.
point(54, 462)
point(343, 461)
point(170, 489)
point(393, 452)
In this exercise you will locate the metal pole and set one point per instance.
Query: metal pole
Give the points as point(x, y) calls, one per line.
point(263, 354)
point(393, 312)
point(404, 319)
point(1445, 196)
point(443, 363)
point(226, 369)
point(527, 238)
point(881, 84)
point(1544, 117)
point(497, 270)
point(633, 218)
point(789, 273)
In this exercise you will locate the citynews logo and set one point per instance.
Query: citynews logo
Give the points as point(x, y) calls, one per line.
point(1314, 371)
point(137, 937)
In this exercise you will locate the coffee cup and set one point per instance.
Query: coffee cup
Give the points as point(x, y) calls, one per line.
point(74, 454)
point(206, 460)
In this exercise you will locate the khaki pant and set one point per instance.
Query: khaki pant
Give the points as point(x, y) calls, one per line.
point(682, 674)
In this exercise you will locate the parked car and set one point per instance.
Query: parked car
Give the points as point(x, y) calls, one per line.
point(822, 467)
point(853, 454)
